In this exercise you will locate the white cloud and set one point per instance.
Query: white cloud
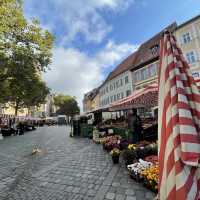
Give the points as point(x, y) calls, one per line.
point(75, 73)
point(76, 17)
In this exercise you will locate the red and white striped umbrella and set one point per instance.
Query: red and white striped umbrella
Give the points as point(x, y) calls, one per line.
point(178, 126)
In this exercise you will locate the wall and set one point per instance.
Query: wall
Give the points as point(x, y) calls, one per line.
point(145, 75)
point(95, 102)
point(192, 44)
point(115, 89)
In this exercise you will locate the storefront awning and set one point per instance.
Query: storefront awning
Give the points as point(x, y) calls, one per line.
point(145, 97)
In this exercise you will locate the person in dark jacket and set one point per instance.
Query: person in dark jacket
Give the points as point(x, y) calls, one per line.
point(21, 128)
point(135, 127)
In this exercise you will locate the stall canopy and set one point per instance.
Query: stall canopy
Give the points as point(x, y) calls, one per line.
point(145, 97)
point(178, 125)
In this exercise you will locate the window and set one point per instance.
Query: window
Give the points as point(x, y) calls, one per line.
point(186, 38)
point(122, 95)
point(118, 96)
point(138, 76)
point(190, 57)
point(144, 73)
point(121, 82)
point(111, 87)
point(154, 50)
point(153, 70)
point(115, 97)
point(126, 80)
point(111, 99)
point(128, 92)
point(117, 84)
point(107, 89)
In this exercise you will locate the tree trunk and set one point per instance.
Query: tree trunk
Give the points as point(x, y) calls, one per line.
point(16, 108)
point(29, 111)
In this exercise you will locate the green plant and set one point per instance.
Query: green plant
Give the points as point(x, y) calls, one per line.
point(129, 156)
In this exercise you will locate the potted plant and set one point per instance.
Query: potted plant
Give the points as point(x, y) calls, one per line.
point(115, 155)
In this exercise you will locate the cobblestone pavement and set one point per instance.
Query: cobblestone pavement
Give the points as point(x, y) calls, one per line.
point(66, 169)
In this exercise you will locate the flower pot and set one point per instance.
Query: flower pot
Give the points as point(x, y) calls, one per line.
point(115, 159)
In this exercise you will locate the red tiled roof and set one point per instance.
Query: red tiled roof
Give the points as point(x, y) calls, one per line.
point(91, 95)
point(141, 56)
point(145, 54)
point(122, 67)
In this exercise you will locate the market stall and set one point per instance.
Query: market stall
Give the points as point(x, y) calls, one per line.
point(145, 97)
point(145, 101)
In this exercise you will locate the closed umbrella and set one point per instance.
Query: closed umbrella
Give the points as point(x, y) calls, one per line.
point(178, 126)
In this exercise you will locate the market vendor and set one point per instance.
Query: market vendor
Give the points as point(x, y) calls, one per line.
point(135, 126)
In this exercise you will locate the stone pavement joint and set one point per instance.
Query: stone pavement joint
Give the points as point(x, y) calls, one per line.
point(70, 169)
point(104, 188)
point(52, 166)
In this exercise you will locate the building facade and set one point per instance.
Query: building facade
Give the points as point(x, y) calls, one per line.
point(188, 38)
point(141, 68)
point(95, 102)
point(115, 89)
point(145, 76)
point(91, 100)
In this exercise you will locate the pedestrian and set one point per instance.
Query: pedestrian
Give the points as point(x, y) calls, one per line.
point(135, 127)
point(21, 128)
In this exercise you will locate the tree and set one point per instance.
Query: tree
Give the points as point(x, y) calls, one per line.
point(67, 105)
point(26, 90)
point(37, 93)
point(22, 43)
point(25, 52)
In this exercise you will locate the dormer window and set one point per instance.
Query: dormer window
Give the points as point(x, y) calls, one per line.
point(154, 49)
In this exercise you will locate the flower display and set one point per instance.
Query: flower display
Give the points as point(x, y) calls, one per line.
point(115, 152)
point(152, 158)
point(143, 143)
point(111, 142)
point(102, 140)
point(138, 167)
point(150, 176)
point(132, 146)
point(124, 144)
point(141, 159)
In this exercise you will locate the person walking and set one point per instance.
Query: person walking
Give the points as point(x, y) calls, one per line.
point(135, 127)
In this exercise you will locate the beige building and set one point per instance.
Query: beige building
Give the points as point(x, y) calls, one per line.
point(188, 37)
point(91, 100)
point(7, 109)
point(141, 68)
point(95, 102)
point(145, 68)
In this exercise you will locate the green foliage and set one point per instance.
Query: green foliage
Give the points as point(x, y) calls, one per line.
point(129, 156)
point(25, 51)
point(26, 91)
point(67, 105)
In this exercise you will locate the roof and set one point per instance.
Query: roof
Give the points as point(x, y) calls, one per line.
point(149, 51)
point(142, 56)
point(189, 21)
point(92, 94)
point(122, 67)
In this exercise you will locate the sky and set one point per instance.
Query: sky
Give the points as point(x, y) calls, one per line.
point(93, 36)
